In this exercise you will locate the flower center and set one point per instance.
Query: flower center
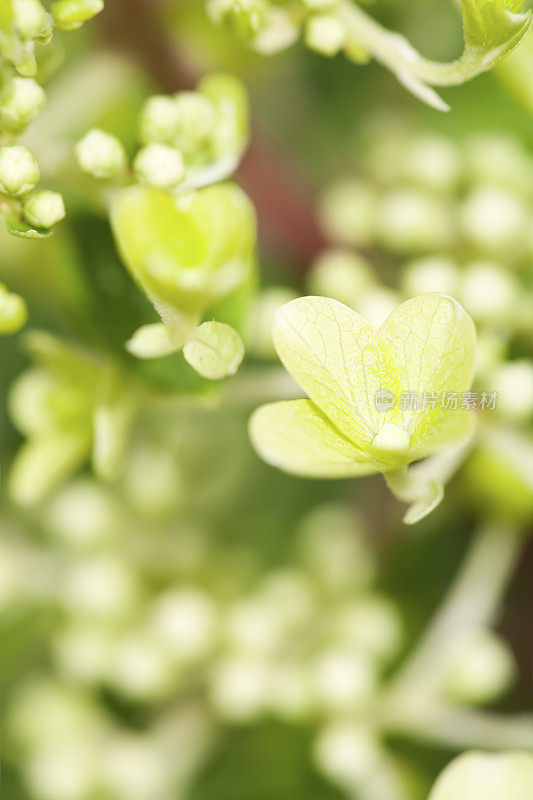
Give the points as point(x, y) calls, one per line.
point(391, 439)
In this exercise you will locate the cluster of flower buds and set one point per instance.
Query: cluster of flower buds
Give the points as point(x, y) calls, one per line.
point(23, 25)
point(189, 244)
point(188, 140)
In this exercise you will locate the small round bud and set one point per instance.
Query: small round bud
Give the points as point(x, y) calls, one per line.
point(159, 165)
point(13, 311)
point(100, 155)
point(325, 33)
point(414, 221)
point(159, 120)
point(487, 291)
point(246, 18)
point(31, 18)
point(342, 275)
point(196, 120)
point(348, 212)
point(494, 219)
point(347, 753)
point(479, 670)
point(432, 274)
point(514, 384)
point(71, 14)
point(20, 102)
point(433, 162)
point(342, 679)
point(18, 170)
point(44, 209)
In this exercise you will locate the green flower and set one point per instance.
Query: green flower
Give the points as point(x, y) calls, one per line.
point(355, 420)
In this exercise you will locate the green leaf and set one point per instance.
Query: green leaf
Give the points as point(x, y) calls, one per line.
point(339, 359)
point(215, 350)
point(296, 437)
point(492, 28)
point(18, 227)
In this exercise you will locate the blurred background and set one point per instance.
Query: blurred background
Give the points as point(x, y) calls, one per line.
point(204, 627)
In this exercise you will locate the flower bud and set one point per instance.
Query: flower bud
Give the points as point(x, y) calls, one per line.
point(18, 170)
point(432, 161)
point(196, 120)
point(325, 34)
point(342, 275)
point(31, 18)
point(431, 274)
point(44, 209)
point(100, 155)
point(159, 165)
point(246, 18)
point(20, 102)
point(514, 384)
point(413, 221)
point(479, 670)
point(348, 212)
point(501, 776)
point(494, 219)
point(347, 753)
point(487, 292)
point(159, 120)
point(71, 14)
point(13, 311)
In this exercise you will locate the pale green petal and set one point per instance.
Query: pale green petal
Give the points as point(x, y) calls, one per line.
point(339, 359)
point(448, 428)
point(433, 341)
point(215, 350)
point(296, 437)
point(426, 504)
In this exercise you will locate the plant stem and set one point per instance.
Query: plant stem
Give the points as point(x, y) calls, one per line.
point(472, 602)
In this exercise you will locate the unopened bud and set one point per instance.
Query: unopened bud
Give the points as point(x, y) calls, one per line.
point(479, 670)
point(196, 120)
point(159, 165)
point(31, 18)
point(44, 209)
point(13, 311)
point(159, 120)
point(100, 155)
point(71, 14)
point(325, 33)
point(20, 102)
point(18, 170)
